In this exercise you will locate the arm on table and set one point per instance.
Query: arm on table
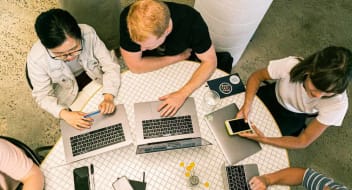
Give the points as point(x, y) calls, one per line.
point(138, 64)
point(287, 176)
point(309, 135)
point(173, 101)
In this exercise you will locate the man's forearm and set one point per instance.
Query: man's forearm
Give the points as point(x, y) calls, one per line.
point(202, 74)
point(148, 64)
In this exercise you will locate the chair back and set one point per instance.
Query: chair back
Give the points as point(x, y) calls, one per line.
point(28, 79)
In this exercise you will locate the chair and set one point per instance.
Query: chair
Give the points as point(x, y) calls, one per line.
point(28, 79)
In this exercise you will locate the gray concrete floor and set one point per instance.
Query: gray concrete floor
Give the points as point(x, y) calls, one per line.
point(289, 28)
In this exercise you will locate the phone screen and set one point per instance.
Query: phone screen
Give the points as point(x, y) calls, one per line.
point(81, 178)
point(238, 125)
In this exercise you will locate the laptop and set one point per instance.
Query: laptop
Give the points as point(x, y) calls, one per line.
point(237, 177)
point(108, 132)
point(155, 133)
point(234, 148)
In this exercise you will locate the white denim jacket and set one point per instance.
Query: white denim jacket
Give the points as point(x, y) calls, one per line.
point(54, 85)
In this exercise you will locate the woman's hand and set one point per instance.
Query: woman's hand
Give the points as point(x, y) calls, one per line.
point(76, 119)
point(107, 106)
point(244, 112)
point(256, 135)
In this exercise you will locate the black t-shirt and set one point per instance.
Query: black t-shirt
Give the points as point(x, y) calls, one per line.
point(189, 31)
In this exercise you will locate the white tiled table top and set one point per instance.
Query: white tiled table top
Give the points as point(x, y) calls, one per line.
point(162, 168)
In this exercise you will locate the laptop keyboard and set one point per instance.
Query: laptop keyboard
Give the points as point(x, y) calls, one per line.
point(97, 139)
point(168, 126)
point(236, 178)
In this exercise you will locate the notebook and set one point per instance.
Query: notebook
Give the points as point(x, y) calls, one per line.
point(155, 133)
point(237, 177)
point(234, 148)
point(108, 132)
point(227, 85)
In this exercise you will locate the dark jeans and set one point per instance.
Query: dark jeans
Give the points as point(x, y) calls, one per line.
point(82, 80)
point(290, 123)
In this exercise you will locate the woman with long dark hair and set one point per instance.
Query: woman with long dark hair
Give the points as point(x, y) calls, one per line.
point(311, 87)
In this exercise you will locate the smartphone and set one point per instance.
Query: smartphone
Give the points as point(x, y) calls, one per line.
point(235, 126)
point(122, 183)
point(81, 178)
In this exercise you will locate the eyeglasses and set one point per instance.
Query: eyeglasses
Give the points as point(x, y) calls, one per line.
point(64, 56)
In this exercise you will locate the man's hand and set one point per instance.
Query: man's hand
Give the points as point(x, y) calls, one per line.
point(107, 106)
point(171, 103)
point(76, 119)
point(258, 183)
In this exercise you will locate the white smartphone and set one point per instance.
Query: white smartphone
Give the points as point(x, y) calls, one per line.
point(122, 183)
point(236, 126)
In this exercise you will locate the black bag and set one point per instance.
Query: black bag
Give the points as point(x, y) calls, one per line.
point(224, 60)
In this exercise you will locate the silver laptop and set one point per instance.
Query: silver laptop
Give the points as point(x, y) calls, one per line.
point(155, 133)
point(108, 132)
point(234, 148)
point(237, 177)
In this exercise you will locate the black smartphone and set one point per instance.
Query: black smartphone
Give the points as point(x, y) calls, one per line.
point(235, 126)
point(81, 178)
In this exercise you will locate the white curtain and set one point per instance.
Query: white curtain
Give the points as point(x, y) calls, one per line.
point(232, 23)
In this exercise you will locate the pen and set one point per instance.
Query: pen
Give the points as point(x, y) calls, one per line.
point(91, 114)
point(92, 174)
point(143, 177)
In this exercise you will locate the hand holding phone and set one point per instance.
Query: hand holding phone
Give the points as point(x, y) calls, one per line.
point(236, 126)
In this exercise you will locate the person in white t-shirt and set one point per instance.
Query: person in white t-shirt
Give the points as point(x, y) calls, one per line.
point(315, 86)
point(16, 167)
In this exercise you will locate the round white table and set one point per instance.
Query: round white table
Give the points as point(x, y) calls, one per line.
point(162, 169)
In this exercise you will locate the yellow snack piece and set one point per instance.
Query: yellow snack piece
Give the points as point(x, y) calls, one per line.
point(189, 168)
point(187, 174)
